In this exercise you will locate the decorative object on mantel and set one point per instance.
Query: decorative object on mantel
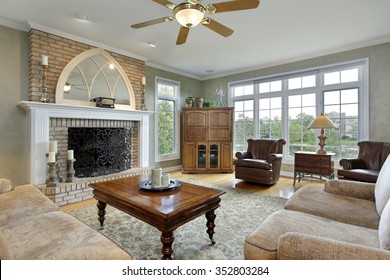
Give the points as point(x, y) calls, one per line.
point(104, 102)
point(219, 92)
point(44, 98)
point(54, 174)
point(143, 106)
point(199, 102)
point(189, 102)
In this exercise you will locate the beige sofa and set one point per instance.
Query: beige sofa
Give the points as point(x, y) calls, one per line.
point(343, 220)
point(33, 228)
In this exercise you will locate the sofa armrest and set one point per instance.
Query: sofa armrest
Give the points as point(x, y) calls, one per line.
point(242, 155)
point(354, 189)
point(298, 246)
point(352, 163)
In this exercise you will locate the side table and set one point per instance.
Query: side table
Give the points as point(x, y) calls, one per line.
point(311, 163)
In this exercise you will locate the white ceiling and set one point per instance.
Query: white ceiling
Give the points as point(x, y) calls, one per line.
point(278, 31)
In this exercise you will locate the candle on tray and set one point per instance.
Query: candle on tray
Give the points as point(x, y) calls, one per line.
point(53, 146)
point(70, 154)
point(52, 157)
point(156, 177)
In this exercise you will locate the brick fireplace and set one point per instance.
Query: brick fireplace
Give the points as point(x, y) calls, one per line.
point(48, 121)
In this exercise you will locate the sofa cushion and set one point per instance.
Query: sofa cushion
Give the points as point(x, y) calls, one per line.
point(263, 242)
point(57, 235)
point(5, 185)
point(5, 253)
point(384, 228)
point(22, 203)
point(382, 187)
point(313, 200)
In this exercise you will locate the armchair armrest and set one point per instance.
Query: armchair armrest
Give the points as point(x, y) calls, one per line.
point(352, 163)
point(298, 246)
point(354, 189)
point(242, 155)
point(274, 157)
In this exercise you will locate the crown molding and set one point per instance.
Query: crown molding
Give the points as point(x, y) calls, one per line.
point(83, 40)
point(14, 25)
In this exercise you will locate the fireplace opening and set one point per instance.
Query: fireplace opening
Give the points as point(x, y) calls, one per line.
point(100, 151)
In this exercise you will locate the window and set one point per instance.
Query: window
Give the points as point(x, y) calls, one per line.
point(167, 120)
point(284, 105)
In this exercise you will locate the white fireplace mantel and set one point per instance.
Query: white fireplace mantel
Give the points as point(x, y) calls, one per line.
point(39, 121)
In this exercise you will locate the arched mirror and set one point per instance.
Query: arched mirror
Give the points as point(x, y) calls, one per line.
point(94, 74)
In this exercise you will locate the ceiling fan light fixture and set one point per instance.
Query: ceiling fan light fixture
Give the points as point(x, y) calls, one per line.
point(189, 15)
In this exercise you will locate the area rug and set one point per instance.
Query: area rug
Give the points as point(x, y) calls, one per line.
point(239, 214)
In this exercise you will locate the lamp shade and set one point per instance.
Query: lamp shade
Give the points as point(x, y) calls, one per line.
point(321, 121)
point(188, 14)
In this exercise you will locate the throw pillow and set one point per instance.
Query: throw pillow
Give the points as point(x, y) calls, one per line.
point(384, 228)
point(382, 187)
point(5, 185)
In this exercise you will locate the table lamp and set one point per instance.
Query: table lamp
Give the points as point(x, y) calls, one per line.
point(322, 122)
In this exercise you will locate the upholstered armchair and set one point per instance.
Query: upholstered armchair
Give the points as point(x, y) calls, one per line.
point(262, 161)
point(367, 165)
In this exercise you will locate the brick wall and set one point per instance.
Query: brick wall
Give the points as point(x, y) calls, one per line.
point(60, 51)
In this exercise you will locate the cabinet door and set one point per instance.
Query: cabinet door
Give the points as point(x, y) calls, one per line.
point(220, 123)
point(214, 156)
point(201, 156)
point(189, 158)
point(195, 125)
point(226, 157)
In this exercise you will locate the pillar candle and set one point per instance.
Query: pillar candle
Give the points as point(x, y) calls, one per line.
point(53, 146)
point(52, 157)
point(156, 177)
point(143, 80)
point(45, 60)
point(70, 154)
point(166, 178)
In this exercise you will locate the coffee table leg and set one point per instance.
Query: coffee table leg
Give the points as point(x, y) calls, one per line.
point(167, 239)
point(210, 216)
point(101, 213)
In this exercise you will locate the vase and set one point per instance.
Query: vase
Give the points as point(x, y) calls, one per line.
point(199, 102)
point(189, 102)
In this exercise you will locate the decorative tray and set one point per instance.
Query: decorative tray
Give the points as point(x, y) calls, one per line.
point(147, 186)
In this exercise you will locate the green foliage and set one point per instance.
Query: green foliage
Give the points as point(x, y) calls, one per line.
point(166, 127)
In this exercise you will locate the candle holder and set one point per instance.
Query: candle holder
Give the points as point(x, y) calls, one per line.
point(58, 171)
point(52, 181)
point(143, 106)
point(44, 98)
point(71, 171)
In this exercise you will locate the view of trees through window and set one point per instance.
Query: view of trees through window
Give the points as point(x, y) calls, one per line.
point(167, 92)
point(284, 108)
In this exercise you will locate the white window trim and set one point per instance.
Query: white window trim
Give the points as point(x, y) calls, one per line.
point(176, 154)
point(363, 103)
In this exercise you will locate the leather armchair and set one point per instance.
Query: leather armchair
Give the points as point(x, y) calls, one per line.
point(367, 165)
point(262, 161)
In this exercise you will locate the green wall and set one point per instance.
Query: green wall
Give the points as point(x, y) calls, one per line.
point(13, 120)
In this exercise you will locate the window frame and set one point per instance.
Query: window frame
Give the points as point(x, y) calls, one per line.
point(319, 89)
point(176, 99)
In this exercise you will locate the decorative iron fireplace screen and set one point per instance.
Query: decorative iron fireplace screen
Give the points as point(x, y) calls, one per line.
point(100, 151)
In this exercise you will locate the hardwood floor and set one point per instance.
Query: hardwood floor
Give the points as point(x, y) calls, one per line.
point(283, 188)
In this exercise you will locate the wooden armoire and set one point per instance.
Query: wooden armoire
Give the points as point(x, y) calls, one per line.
point(207, 140)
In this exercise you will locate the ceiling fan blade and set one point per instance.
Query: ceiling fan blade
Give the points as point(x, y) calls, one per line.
point(232, 6)
point(165, 3)
point(151, 22)
point(182, 38)
point(217, 27)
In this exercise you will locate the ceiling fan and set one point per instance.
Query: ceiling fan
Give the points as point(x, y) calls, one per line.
point(191, 13)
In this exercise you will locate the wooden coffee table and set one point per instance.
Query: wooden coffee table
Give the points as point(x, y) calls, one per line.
point(165, 210)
